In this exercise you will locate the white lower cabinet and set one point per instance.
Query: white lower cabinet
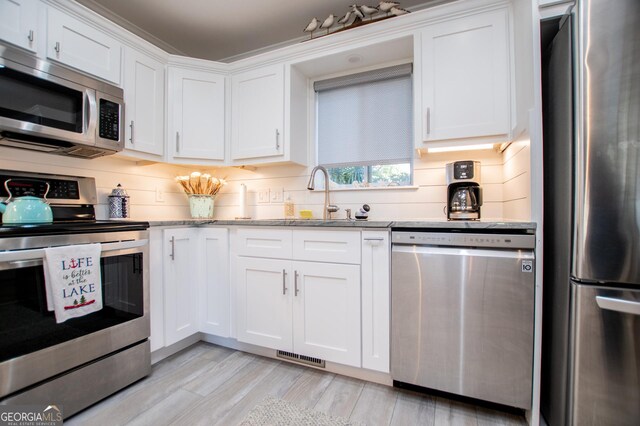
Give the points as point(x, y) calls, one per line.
point(181, 292)
point(338, 312)
point(376, 299)
point(189, 284)
point(264, 302)
point(215, 302)
point(309, 308)
point(326, 311)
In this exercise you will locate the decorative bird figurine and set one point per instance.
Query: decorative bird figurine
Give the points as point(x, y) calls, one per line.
point(346, 18)
point(328, 23)
point(385, 6)
point(397, 11)
point(357, 12)
point(313, 25)
point(369, 11)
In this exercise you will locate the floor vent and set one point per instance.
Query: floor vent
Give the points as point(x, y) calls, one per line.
point(316, 362)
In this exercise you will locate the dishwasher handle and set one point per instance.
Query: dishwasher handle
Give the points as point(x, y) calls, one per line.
point(464, 251)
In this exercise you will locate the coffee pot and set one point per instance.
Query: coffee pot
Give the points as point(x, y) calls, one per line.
point(464, 194)
point(464, 200)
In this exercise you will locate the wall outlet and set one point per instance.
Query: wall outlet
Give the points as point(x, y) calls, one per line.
point(159, 195)
point(263, 195)
point(277, 195)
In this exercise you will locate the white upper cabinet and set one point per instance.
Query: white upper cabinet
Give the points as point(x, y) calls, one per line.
point(466, 78)
point(19, 22)
point(144, 85)
point(196, 115)
point(78, 45)
point(258, 113)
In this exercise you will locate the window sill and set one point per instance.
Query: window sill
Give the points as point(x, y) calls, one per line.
point(370, 188)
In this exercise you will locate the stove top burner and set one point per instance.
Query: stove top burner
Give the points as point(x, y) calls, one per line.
point(73, 202)
point(66, 228)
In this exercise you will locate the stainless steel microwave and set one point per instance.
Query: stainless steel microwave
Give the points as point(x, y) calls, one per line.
point(46, 107)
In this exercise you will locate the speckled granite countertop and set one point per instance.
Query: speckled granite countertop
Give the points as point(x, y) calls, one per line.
point(397, 224)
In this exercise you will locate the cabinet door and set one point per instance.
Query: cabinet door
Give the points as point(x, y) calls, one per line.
point(144, 99)
point(196, 114)
point(81, 46)
point(466, 78)
point(375, 300)
point(18, 23)
point(215, 298)
point(181, 293)
point(264, 302)
point(326, 311)
point(258, 113)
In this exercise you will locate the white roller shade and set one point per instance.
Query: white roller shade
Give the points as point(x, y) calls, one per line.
point(366, 118)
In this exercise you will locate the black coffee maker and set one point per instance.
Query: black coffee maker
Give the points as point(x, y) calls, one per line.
point(464, 195)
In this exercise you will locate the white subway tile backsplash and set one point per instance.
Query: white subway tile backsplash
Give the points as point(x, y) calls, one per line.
point(139, 181)
point(506, 189)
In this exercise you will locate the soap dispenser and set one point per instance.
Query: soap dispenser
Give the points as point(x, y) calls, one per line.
point(289, 210)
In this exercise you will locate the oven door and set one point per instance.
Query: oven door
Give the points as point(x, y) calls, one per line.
point(33, 347)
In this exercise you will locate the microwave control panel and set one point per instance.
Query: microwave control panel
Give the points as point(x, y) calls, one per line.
point(109, 126)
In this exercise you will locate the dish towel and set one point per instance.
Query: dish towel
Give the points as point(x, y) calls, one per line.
point(72, 280)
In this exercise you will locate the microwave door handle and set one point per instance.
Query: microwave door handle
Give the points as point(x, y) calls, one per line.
point(90, 114)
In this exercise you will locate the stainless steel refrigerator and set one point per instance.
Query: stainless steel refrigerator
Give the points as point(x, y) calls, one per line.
point(591, 318)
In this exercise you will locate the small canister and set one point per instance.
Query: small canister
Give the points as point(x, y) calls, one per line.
point(118, 203)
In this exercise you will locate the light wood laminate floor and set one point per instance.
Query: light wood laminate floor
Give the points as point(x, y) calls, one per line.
point(207, 384)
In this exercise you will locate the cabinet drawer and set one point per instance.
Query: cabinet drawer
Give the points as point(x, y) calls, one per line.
point(327, 246)
point(274, 243)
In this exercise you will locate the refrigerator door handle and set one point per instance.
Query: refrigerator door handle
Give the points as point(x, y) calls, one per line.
point(618, 305)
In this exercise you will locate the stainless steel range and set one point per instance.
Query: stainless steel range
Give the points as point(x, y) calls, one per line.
point(77, 362)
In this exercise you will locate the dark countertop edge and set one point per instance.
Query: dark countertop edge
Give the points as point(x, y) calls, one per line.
point(399, 224)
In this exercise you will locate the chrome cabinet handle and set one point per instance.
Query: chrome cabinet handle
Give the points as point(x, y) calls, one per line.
point(277, 139)
point(177, 141)
point(173, 248)
point(30, 36)
point(374, 239)
point(131, 137)
point(284, 281)
point(295, 283)
point(428, 118)
point(57, 47)
point(618, 305)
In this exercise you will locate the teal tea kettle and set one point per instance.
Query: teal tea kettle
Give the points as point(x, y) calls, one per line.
point(26, 209)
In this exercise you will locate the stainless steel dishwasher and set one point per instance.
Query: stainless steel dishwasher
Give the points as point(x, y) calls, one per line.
point(462, 310)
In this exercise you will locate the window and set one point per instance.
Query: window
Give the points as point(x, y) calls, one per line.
point(365, 128)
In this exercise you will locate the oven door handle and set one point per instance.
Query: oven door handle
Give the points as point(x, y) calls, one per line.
point(35, 256)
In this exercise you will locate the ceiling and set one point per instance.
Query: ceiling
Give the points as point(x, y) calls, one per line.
point(224, 30)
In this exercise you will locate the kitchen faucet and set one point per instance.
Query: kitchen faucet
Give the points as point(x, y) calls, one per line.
point(328, 207)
